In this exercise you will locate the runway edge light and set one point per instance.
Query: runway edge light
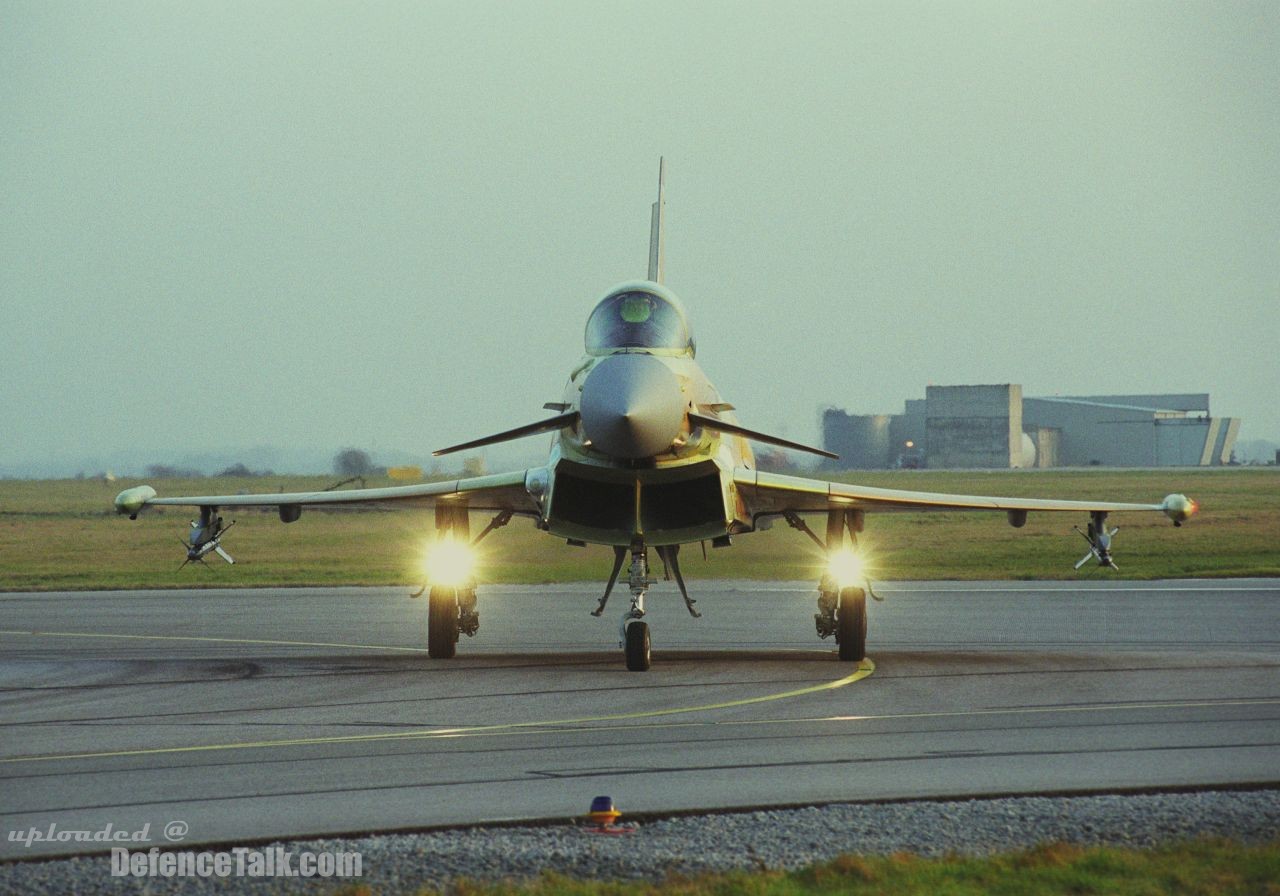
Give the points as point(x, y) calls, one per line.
point(605, 815)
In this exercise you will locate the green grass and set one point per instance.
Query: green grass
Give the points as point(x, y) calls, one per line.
point(64, 535)
point(1199, 868)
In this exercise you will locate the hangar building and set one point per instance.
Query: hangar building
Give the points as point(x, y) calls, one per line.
point(995, 427)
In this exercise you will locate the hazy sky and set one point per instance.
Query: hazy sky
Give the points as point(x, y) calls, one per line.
point(330, 224)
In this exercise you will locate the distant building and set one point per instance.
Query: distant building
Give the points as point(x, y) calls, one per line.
point(995, 427)
point(970, 427)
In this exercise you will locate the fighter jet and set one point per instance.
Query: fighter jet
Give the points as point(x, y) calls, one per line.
point(646, 457)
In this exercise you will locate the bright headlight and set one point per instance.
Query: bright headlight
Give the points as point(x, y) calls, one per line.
point(449, 562)
point(845, 567)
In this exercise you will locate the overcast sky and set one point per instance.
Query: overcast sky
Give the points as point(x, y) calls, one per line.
point(327, 224)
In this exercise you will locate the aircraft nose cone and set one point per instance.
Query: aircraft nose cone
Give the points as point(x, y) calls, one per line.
point(632, 406)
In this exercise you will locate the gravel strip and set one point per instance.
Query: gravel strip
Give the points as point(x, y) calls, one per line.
point(783, 838)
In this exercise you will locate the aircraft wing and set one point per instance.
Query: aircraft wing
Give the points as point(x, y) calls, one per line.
point(498, 492)
point(776, 493)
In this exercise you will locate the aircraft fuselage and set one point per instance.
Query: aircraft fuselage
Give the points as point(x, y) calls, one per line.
point(634, 468)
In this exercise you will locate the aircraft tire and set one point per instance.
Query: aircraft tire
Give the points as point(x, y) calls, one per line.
point(637, 647)
point(851, 625)
point(442, 624)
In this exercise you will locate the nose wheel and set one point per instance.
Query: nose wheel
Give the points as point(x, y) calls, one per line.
point(637, 646)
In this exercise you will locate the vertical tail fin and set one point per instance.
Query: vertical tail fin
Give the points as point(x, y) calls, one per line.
point(655, 227)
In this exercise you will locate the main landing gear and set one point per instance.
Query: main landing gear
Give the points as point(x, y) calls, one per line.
point(450, 612)
point(851, 624)
point(634, 635)
point(451, 604)
point(842, 602)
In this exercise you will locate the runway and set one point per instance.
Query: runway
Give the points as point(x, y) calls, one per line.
point(253, 714)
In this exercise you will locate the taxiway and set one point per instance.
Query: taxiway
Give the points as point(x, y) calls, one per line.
point(278, 713)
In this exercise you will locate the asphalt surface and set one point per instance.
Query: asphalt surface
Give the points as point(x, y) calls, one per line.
point(247, 715)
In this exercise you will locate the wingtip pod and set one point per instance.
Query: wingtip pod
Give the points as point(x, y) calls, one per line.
point(1179, 508)
point(132, 500)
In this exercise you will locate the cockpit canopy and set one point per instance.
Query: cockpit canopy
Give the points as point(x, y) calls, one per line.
point(639, 317)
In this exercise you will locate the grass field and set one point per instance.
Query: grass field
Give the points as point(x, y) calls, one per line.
point(1200, 868)
point(64, 535)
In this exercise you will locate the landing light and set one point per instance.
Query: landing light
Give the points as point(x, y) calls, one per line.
point(845, 566)
point(449, 562)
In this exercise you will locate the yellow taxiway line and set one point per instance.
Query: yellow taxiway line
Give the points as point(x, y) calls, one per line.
point(865, 669)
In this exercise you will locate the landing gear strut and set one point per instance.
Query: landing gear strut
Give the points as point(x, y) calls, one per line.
point(635, 631)
point(670, 555)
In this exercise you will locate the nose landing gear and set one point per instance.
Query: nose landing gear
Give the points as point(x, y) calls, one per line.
point(635, 631)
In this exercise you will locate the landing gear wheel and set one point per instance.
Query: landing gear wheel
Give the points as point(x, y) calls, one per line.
point(442, 624)
point(638, 647)
point(851, 624)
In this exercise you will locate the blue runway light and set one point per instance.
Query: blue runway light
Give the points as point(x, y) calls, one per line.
point(603, 811)
point(603, 817)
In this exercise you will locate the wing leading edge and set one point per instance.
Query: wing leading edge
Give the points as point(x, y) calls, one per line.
point(778, 493)
point(498, 492)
